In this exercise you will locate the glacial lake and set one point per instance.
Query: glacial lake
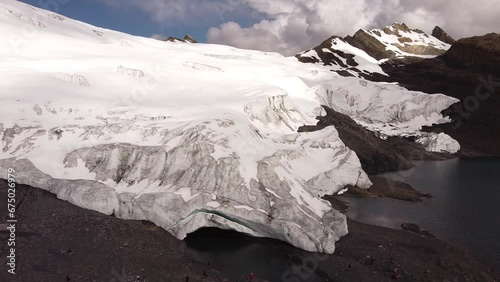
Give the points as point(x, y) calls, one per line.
point(463, 211)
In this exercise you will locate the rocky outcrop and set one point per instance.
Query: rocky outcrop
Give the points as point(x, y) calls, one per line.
point(375, 154)
point(190, 39)
point(440, 34)
point(370, 45)
point(344, 63)
point(479, 54)
point(359, 55)
point(411, 41)
point(187, 39)
point(334, 57)
point(421, 50)
point(469, 71)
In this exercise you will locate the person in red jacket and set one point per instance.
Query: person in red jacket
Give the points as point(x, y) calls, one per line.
point(395, 274)
point(252, 276)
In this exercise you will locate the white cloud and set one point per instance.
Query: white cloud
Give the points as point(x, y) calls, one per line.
point(185, 11)
point(289, 26)
point(460, 18)
point(295, 25)
point(257, 37)
point(300, 24)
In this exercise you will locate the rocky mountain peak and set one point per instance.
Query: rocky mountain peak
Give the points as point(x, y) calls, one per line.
point(370, 44)
point(395, 28)
point(361, 54)
point(440, 34)
point(397, 41)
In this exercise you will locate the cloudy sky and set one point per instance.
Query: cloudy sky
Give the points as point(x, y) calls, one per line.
point(285, 26)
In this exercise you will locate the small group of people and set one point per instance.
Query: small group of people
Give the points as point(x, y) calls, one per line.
point(205, 276)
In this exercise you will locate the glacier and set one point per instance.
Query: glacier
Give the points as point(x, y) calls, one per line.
point(186, 135)
point(439, 142)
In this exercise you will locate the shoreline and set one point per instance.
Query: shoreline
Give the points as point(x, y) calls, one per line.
point(105, 247)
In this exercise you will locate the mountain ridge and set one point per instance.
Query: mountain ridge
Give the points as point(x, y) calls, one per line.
point(359, 55)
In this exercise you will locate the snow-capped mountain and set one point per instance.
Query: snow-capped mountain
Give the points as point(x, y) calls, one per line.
point(186, 135)
point(361, 55)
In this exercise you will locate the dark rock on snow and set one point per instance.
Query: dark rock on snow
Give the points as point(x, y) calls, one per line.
point(440, 34)
point(469, 71)
point(376, 155)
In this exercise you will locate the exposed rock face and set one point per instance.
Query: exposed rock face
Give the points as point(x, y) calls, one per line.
point(421, 50)
point(337, 53)
point(334, 57)
point(187, 39)
point(373, 43)
point(469, 71)
point(190, 39)
point(375, 154)
point(173, 39)
point(359, 55)
point(370, 45)
point(397, 41)
point(440, 34)
point(375, 106)
point(479, 53)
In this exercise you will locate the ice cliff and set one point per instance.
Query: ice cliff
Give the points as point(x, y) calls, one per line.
point(185, 135)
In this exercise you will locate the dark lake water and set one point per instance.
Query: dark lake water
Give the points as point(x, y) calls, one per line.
point(464, 210)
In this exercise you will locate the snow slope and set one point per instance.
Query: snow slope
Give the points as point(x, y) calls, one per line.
point(183, 135)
